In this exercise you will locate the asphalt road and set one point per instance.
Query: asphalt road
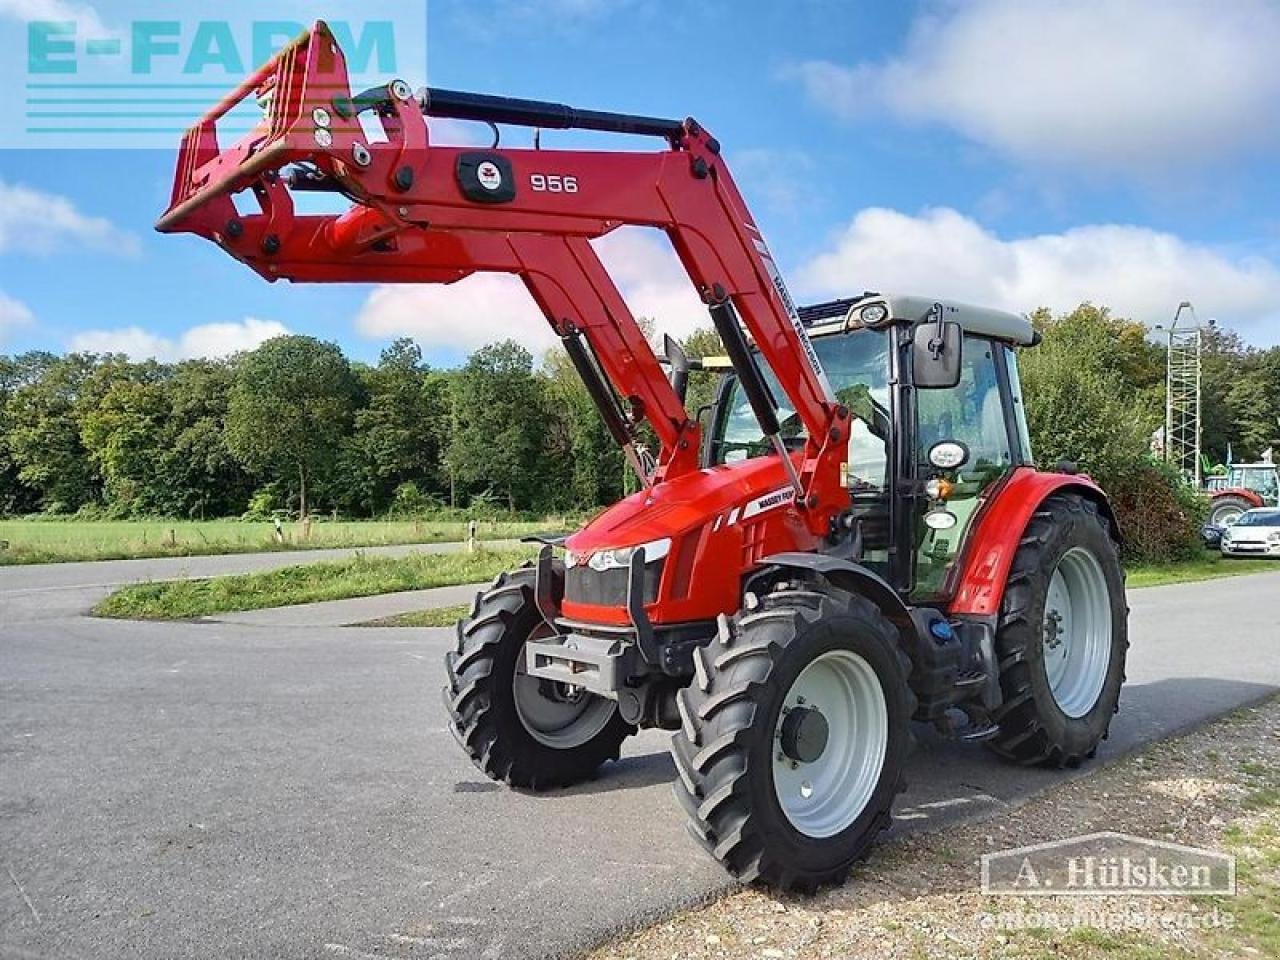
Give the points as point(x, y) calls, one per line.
point(290, 790)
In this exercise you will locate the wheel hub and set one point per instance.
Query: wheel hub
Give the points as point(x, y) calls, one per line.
point(805, 732)
point(1052, 629)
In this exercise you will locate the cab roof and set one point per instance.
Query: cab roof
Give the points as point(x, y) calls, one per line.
point(839, 315)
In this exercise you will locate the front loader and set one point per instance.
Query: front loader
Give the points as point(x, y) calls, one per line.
point(856, 539)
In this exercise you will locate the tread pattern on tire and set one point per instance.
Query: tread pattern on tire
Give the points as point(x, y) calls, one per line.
point(1023, 737)
point(734, 678)
point(482, 718)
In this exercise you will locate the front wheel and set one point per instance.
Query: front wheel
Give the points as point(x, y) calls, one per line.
point(1062, 637)
point(530, 733)
point(794, 735)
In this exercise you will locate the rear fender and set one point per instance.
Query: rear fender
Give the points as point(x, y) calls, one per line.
point(989, 549)
point(1251, 496)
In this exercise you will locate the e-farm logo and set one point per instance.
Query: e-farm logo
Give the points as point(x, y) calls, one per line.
point(138, 73)
point(154, 46)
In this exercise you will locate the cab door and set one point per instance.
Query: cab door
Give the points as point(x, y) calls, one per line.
point(981, 413)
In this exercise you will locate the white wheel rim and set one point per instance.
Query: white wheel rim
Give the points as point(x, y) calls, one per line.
point(823, 797)
point(1225, 516)
point(562, 721)
point(1077, 632)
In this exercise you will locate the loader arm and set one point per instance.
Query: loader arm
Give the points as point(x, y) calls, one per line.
point(425, 213)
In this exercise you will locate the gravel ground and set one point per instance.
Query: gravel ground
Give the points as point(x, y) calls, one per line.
point(1217, 788)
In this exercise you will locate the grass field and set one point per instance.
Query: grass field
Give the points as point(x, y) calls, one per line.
point(55, 541)
point(306, 583)
point(1211, 566)
point(431, 617)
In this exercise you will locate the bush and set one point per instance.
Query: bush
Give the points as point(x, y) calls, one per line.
point(1160, 514)
point(264, 503)
point(1082, 407)
point(410, 503)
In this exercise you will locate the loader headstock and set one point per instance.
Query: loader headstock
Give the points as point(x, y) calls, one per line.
point(310, 118)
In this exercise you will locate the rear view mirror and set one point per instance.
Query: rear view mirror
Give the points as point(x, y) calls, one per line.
point(935, 354)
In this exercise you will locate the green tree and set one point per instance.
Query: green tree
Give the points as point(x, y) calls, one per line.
point(703, 384)
point(586, 464)
point(43, 432)
point(16, 373)
point(123, 433)
point(290, 407)
point(199, 476)
point(498, 425)
point(399, 433)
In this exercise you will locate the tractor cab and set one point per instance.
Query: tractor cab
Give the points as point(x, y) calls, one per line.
point(1260, 478)
point(951, 443)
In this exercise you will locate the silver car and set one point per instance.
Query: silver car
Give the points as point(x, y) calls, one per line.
point(1255, 533)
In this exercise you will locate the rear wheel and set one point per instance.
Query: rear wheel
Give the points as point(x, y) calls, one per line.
point(794, 736)
point(1225, 510)
point(1062, 638)
point(530, 733)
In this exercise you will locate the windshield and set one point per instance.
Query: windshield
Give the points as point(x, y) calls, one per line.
point(858, 366)
point(1262, 518)
point(1260, 480)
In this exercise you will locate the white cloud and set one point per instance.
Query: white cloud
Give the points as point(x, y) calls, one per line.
point(13, 313)
point(86, 18)
point(780, 180)
point(35, 221)
point(1127, 86)
point(485, 308)
point(652, 280)
point(210, 340)
point(1138, 272)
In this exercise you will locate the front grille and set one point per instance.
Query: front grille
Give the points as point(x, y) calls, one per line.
point(608, 588)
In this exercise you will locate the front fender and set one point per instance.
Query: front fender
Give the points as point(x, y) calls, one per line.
point(989, 549)
point(849, 576)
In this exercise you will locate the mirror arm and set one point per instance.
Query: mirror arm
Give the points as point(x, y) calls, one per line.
point(939, 341)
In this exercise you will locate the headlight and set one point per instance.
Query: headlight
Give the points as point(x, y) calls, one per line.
point(621, 557)
point(875, 313)
point(1275, 537)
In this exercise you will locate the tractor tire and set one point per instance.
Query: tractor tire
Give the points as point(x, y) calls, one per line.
point(782, 788)
point(1062, 637)
point(1225, 509)
point(528, 733)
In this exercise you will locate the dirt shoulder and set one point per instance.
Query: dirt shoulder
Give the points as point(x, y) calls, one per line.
point(1216, 788)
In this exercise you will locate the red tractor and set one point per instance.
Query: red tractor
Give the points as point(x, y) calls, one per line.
point(858, 540)
point(1246, 486)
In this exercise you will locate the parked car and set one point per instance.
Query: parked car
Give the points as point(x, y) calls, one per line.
point(1255, 533)
point(1211, 534)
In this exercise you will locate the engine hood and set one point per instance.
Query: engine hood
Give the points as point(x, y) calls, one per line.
point(685, 504)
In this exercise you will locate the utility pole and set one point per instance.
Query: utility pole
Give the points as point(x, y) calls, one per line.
point(1183, 386)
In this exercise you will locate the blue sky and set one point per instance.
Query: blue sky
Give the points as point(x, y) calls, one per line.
point(1004, 151)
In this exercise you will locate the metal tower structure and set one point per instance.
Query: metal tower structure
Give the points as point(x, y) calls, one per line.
point(1182, 435)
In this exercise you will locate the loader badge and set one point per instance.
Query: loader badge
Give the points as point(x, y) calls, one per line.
point(486, 177)
point(489, 175)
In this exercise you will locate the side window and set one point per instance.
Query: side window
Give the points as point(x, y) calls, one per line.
point(972, 412)
point(1019, 408)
